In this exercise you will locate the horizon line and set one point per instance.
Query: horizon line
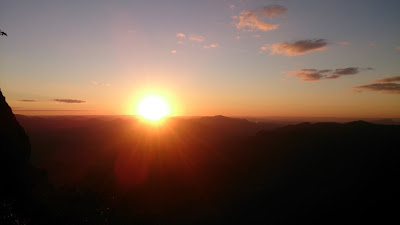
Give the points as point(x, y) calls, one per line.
point(255, 117)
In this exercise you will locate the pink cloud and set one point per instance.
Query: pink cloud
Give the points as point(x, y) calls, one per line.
point(250, 20)
point(389, 79)
point(327, 74)
point(296, 48)
point(95, 83)
point(212, 46)
point(197, 38)
point(28, 100)
point(69, 101)
point(309, 74)
point(386, 88)
point(344, 43)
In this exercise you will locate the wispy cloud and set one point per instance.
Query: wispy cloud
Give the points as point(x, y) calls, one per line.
point(173, 51)
point(309, 74)
point(384, 85)
point(191, 37)
point(27, 100)
point(197, 41)
point(69, 101)
point(95, 83)
point(316, 75)
point(232, 6)
point(295, 48)
point(386, 88)
point(180, 35)
point(196, 38)
point(398, 47)
point(344, 43)
point(389, 79)
point(341, 72)
point(211, 46)
point(251, 20)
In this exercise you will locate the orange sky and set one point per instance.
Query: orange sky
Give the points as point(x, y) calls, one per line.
point(233, 58)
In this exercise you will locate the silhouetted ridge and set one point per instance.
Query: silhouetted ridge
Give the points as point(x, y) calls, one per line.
point(322, 127)
point(213, 170)
point(16, 173)
point(226, 125)
point(13, 136)
point(386, 122)
point(19, 179)
point(359, 123)
point(14, 153)
point(221, 118)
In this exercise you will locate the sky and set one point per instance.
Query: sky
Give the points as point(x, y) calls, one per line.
point(317, 58)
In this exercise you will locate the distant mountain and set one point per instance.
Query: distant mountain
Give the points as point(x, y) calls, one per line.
point(330, 172)
point(386, 122)
point(215, 170)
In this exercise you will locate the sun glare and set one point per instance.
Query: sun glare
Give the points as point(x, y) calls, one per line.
point(153, 108)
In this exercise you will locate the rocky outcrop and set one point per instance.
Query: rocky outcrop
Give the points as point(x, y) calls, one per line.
point(12, 133)
point(15, 149)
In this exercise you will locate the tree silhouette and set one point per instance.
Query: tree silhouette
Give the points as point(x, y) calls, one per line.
point(3, 33)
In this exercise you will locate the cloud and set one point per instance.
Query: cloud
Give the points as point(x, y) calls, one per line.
point(69, 101)
point(250, 20)
point(197, 38)
point(309, 74)
point(272, 11)
point(296, 48)
point(173, 51)
point(398, 47)
point(371, 44)
point(344, 43)
point(191, 37)
point(95, 83)
point(27, 100)
point(212, 46)
point(232, 6)
point(389, 79)
point(346, 71)
point(386, 88)
point(327, 74)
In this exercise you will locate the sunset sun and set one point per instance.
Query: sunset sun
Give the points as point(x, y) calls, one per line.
point(153, 108)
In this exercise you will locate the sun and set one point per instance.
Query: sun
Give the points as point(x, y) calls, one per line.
point(153, 108)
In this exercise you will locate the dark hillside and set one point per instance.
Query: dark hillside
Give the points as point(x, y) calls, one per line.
point(211, 170)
